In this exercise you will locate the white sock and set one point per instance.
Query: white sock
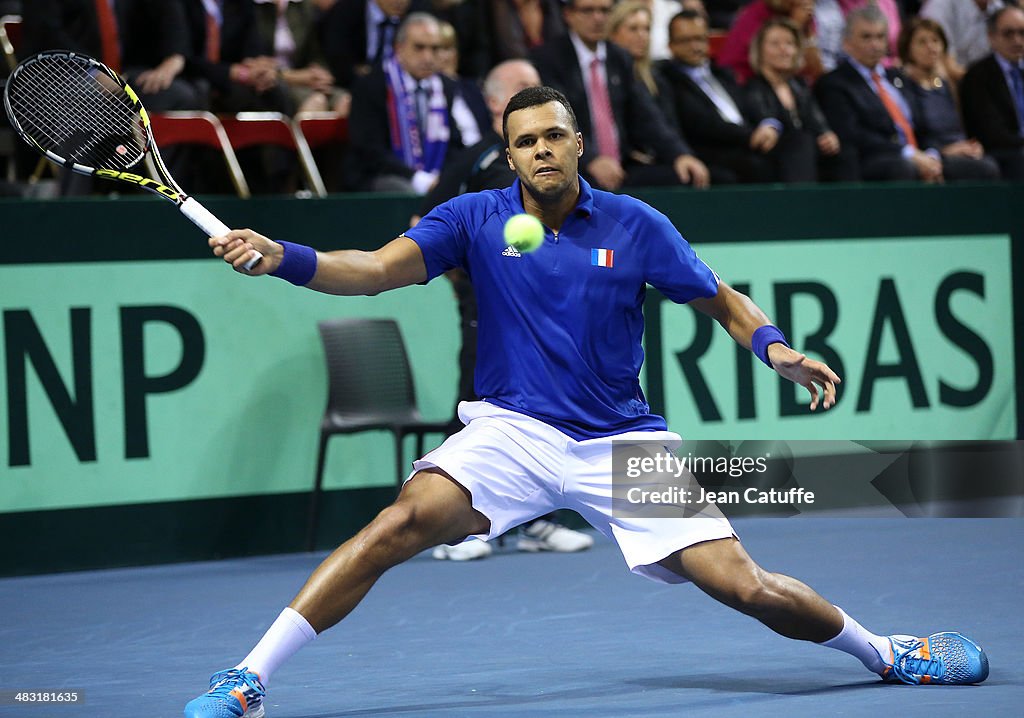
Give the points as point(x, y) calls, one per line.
point(283, 639)
point(861, 643)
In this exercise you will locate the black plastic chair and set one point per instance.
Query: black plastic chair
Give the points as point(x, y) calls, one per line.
point(370, 387)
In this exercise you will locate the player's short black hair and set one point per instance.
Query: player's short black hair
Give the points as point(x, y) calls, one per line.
point(532, 97)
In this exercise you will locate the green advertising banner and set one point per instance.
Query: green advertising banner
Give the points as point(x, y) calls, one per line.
point(919, 329)
point(155, 381)
point(135, 382)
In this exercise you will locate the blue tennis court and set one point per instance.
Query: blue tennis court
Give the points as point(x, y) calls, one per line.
point(530, 635)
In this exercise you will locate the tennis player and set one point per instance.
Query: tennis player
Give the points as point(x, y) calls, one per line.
point(558, 365)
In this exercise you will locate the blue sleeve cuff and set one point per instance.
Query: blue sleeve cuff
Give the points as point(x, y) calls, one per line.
point(298, 265)
point(762, 338)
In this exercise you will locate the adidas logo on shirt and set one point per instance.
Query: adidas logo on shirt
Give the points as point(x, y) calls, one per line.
point(511, 251)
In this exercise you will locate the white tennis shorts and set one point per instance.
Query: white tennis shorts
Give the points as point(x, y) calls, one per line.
point(517, 468)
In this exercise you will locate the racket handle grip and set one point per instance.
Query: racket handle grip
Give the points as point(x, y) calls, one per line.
point(208, 222)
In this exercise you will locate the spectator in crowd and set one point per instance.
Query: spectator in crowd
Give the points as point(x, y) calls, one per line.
point(616, 113)
point(735, 54)
point(357, 35)
point(288, 33)
point(992, 94)
point(472, 50)
point(471, 100)
point(224, 61)
point(829, 22)
point(144, 40)
point(661, 11)
point(725, 130)
point(401, 127)
point(924, 51)
point(696, 5)
point(483, 165)
point(865, 106)
point(722, 13)
point(776, 91)
point(890, 9)
point(223, 58)
point(629, 27)
point(513, 28)
point(964, 22)
point(491, 31)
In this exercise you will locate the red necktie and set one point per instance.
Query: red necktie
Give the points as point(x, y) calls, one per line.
point(108, 35)
point(893, 108)
point(601, 111)
point(212, 38)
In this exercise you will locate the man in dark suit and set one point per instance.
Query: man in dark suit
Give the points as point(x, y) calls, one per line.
point(865, 106)
point(357, 34)
point(224, 56)
point(492, 31)
point(726, 133)
point(617, 116)
point(401, 127)
point(144, 40)
point(992, 94)
point(877, 128)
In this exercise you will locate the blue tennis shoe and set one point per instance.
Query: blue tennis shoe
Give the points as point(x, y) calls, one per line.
point(234, 693)
point(946, 658)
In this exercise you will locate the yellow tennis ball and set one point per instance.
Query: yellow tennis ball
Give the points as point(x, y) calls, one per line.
point(524, 232)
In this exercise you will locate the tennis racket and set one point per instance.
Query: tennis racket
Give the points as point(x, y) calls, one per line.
point(79, 113)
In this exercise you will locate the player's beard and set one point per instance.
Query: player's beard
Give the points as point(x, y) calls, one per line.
point(551, 193)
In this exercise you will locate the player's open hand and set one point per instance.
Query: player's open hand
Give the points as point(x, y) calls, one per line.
point(808, 373)
point(240, 245)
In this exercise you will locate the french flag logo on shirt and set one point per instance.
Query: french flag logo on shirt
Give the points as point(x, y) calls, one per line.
point(602, 257)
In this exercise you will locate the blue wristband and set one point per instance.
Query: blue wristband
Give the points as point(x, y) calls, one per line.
point(298, 265)
point(763, 336)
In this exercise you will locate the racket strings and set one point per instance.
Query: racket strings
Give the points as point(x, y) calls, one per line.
point(105, 111)
point(115, 122)
point(91, 138)
point(65, 107)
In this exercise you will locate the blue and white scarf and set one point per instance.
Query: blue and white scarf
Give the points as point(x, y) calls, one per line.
point(420, 148)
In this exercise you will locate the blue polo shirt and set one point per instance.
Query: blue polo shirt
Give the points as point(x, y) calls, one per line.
point(560, 329)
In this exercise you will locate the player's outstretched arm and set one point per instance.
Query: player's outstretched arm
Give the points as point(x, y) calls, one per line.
point(348, 272)
point(738, 314)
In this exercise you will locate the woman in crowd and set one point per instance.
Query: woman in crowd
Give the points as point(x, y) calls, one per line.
point(629, 27)
point(736, 51)
point(931, 92)
point(776, 57)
